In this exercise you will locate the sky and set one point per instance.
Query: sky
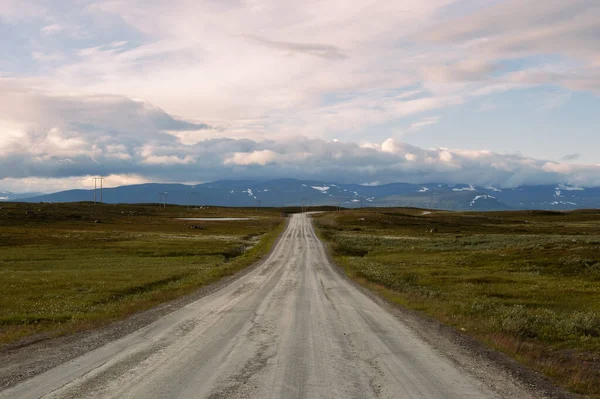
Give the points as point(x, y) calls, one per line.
point(485, 92)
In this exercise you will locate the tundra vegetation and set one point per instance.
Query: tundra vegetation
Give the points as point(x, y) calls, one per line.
point(71, 267)
point(526, 283)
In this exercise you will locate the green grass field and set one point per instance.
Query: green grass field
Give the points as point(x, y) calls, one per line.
point(62, 271)
point(526, 283)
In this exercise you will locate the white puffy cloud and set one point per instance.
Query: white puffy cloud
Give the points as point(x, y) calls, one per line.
point(168, 160)
point(262, 157)
point(131, 139)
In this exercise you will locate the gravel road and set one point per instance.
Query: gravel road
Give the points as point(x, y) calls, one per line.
point(292, 328)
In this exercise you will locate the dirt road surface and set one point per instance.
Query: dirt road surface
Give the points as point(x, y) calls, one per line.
point(292, 328)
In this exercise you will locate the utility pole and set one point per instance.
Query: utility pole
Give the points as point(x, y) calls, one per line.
point(361, 201)
point(258, 202)
point(162, 197)
point(303, 205)
point(96, 187)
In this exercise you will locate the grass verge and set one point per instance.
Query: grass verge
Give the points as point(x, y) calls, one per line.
point(524, 283)
point(71, 267)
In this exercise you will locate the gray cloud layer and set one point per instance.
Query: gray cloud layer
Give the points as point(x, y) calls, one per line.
point(102, 135)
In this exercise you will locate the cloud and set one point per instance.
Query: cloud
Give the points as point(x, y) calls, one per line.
point(318, 50)
point(168, 160)
point(47, 57)
point(562, 35)
point(370, 110)
point(77, 148)
point(571, 157)
point(110, 115)
point(251, 158)
point(225, 70)
point(46, 136)
point(65, 135)
point(16, 10)
point(49, 30)
point(199, 90)
point(525, 25)
point(52, 185)
point(464, 70)
point(431, 120)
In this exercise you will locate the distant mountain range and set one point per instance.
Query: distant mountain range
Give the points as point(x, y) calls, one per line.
point(8, 196)
point(292, 192)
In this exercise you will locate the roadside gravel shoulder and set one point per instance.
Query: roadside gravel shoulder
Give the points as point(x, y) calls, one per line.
point(30, 357)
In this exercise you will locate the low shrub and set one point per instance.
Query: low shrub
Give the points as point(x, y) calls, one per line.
point(546, 324)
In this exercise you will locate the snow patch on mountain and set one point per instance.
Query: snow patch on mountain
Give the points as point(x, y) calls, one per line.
point(569, 188)
point(423, 190)
point(478, 197)
point(470, 188)
point(322, 189)
point(563, 203)
point(493, 189)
